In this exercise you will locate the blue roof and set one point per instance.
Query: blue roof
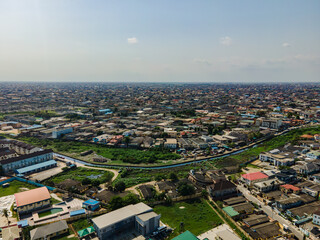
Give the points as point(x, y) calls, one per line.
point(91, 202)
point(23, 223)
point(35, 166)
point(32, 127)
point(105, 110)
point(77, 212)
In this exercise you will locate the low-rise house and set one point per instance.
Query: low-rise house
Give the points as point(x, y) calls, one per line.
point(165, 186)
point(268, 230)
point(304, 211)
point(91, 204)
point(35, 199)
point(313, 154)
point(279, 159)
point(221, 189)
point(254, 220)
point(286, 175)
point(72, 185)
point(307, 168)
point(284, 204)
point(234, 200)
point(49, 231)
point(171, 143)
point(231, 212)
point(267, 185)
point(244, 208)
point(146, 191)
point(288, 188)
point(316, 217)
point(251, 178)
point(105, 196)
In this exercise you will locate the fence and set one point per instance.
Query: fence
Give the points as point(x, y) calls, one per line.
point(26, 181)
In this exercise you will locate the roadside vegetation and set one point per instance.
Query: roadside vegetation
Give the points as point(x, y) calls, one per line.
point(121, 155)
point(193, 215)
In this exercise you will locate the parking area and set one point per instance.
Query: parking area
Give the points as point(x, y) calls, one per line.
point(40, 176)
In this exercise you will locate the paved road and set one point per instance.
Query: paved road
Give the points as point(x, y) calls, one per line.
point(268, 210)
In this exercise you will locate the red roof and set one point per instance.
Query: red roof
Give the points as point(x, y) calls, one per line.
point(254, 176)
point(32, 196)
point(289, 186)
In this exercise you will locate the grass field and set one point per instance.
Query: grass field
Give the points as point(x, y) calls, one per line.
point(196, 215)
point(15, 187)
point(81, 173)
point(117, 155)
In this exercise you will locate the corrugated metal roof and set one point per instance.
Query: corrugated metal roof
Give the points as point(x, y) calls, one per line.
point(35, 166)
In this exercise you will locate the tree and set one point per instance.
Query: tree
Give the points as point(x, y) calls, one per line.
point(86, 181)
point(116, 202)
point(95, 182)
point(173, 176)
point(120, 186)
point(186, 189)
point(204, 193)
point(6, 215)
point(130, 199)
point(127, 140)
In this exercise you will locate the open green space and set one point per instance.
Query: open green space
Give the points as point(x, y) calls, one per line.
point(15, 187)
point(279, 141)
point(133, 177)
point(196, 215)
point(80, 174)
point(118, 155)
point(81, 224)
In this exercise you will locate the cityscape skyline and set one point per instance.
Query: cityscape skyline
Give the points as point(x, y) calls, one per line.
point(149, 41)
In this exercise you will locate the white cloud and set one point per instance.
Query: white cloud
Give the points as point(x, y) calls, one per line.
point(286, 45)
point(132, 40)
point(226, 41)
point(202, 61)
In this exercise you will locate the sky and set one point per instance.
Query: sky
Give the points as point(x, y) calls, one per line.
point(253, 41)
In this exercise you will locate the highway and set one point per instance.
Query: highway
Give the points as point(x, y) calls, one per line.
point(268, 210)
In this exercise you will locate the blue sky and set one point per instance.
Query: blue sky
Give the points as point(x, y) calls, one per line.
point(160, 41)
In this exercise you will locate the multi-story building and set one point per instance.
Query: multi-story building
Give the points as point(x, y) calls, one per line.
point(139, 217)
point(59, 132)
point(32, 200)
point(12, 164)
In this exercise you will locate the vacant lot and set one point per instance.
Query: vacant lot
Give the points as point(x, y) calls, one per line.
point(15, 187)
point(81, 173)
point(196, 216)
point(118, 155)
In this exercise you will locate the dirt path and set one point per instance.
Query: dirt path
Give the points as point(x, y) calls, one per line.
point(134, 190)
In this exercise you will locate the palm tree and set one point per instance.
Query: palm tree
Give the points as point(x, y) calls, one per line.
point(5, 213)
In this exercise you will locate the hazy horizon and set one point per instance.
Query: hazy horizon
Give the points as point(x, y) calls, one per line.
point(160, 41)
